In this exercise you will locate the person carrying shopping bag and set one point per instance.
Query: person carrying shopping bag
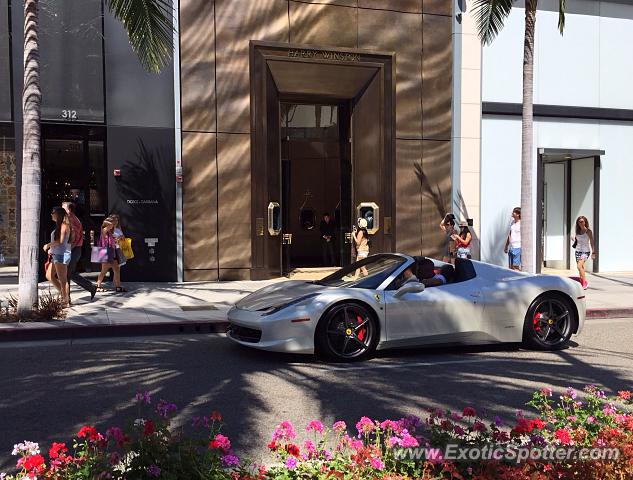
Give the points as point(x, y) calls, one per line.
point(106, 254)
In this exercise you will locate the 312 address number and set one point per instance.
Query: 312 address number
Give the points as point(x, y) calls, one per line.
point(69, 114)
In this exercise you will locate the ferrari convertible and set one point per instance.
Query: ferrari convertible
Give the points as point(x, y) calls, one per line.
point(373, 304)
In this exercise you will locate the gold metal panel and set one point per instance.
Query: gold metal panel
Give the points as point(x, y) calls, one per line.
point(320, 24)
point(345, 3)
point(238, 22)
point(199, 201)
point(201, 275)
point(259, 226)
point(339, 81)
point(229, 274)
point(402, 33)
point(197, 65)
point(437, 77)
point(436, 194)
point(412, 6)
point(438, 7)
point(408, 181)
point(234, 200)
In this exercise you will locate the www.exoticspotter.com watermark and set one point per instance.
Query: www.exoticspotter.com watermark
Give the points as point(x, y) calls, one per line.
point(505, 453)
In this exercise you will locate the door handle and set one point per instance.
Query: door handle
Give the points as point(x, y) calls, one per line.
point(348, 238)
point(286, 239)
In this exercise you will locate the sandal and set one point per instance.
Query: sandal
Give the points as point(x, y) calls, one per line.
point(120, 290)
point(100, 289)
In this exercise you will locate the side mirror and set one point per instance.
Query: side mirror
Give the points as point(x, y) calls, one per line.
point(411, 287)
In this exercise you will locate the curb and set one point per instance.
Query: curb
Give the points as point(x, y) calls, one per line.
point(609, 312)
point(71, 332)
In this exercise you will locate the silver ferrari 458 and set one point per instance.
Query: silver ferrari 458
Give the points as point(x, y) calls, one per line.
point(376, 304)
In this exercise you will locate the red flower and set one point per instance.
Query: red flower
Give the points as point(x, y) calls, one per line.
point(215, 415)
point(148, 428)
point(272, 445)
point(562, 436)
point(88, 432)
point(469, 412)
point(537, 423)
point(293, 450)
point(624, 395)
point(32, 464)
point(56, 449)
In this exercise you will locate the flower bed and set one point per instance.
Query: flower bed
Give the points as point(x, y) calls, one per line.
point(459, 445)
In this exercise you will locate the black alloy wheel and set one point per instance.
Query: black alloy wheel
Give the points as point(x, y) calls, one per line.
point(549, 323)
point(348, 331)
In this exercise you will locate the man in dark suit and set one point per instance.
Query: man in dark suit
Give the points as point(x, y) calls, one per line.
point(327, 230)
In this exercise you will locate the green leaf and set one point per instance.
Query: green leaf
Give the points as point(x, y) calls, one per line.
point(148, 24)
point(561, 16)
point(490, 16)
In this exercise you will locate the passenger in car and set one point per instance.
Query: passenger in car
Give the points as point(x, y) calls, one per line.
point(429, 278)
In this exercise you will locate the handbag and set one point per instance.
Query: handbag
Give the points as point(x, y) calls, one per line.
point(120, 257)
point(125, 244)
point(101, 254)
point(575, 244)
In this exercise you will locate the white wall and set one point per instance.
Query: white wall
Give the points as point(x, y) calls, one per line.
point(590, 65)
point(500, 179)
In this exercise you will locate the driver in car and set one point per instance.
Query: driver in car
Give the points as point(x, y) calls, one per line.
point(429, 277)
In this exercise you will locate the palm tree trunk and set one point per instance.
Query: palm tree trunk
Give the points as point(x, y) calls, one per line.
point(527, 132)
point(31, 169)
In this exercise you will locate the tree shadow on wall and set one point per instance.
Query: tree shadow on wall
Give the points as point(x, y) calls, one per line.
point(434, 194)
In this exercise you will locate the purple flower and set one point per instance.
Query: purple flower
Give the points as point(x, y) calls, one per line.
point(498, 421)
point(230, 460)
point(291, 463)
point(376, 463)
point(571, 392)
point(153, 470)
point(163, 408)
point(143, 397)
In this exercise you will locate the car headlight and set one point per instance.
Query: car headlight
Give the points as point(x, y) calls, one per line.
point(276, 308)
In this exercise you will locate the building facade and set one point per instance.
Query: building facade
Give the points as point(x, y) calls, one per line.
point(272, 113)
point(583, 132)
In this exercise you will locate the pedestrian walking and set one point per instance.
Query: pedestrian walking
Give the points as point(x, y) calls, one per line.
point(584, 245)
point(513, 241)
point(76, 251)
point(107, 240)
point(362, 243)
point(462, 241)
point(447, 225)
point(327, 229)
point(118, 237)
point(59, 252)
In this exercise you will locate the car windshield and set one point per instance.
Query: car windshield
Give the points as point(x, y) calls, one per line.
point(367, 273)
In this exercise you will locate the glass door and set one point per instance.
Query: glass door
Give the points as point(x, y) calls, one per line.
point(74, 169)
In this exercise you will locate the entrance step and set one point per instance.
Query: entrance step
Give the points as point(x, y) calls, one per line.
point(311, 273)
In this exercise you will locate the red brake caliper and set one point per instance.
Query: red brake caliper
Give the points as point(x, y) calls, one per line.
point(361, 332)
point(535, 321)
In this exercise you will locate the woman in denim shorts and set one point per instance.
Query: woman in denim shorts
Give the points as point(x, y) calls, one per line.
point(59, 251)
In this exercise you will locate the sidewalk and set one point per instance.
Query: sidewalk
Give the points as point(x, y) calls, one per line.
point(170, 308)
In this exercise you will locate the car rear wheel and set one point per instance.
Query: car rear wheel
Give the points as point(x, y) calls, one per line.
point(549, 323)
point(348, 331)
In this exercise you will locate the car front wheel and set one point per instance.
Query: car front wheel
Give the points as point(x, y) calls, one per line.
point(549, 323)
point(348, 331)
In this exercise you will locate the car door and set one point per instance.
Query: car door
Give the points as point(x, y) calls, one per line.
point(446, 313)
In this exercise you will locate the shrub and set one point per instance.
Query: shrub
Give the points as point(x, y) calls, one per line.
point(49, 307)
point(147, 448)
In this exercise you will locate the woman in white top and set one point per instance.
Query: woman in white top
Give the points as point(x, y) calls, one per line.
point(583, 243)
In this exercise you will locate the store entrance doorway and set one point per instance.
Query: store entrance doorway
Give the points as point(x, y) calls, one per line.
point(316, 171)
point(74, 169)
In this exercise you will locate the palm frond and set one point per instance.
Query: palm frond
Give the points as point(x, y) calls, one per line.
point(148, 24)
point(490, 15)
point(561, 16)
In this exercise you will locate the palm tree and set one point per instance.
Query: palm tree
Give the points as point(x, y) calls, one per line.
point(490, 15)
point(148, 24)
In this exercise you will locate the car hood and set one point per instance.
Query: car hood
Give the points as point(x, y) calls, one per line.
point(278, 294)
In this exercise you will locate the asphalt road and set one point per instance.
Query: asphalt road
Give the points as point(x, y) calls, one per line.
point(49, 390)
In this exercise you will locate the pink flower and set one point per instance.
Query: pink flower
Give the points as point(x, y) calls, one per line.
point(608, 409)
point(390, 425)
point(590, 419)
point(309, 447)
point(291, 463)
point(356, 444)
point(455, 416)
point(469, 412)
point(572, 418)
point(339, 426)
point(284, 431)
point(624, 395)
point(408, 441)
point(546, 391)
point(364, 425)
point(315, 425)
point(393, 441)
point(220, 442)
point(376, 463)
point(479, 426)
point(459, 430)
